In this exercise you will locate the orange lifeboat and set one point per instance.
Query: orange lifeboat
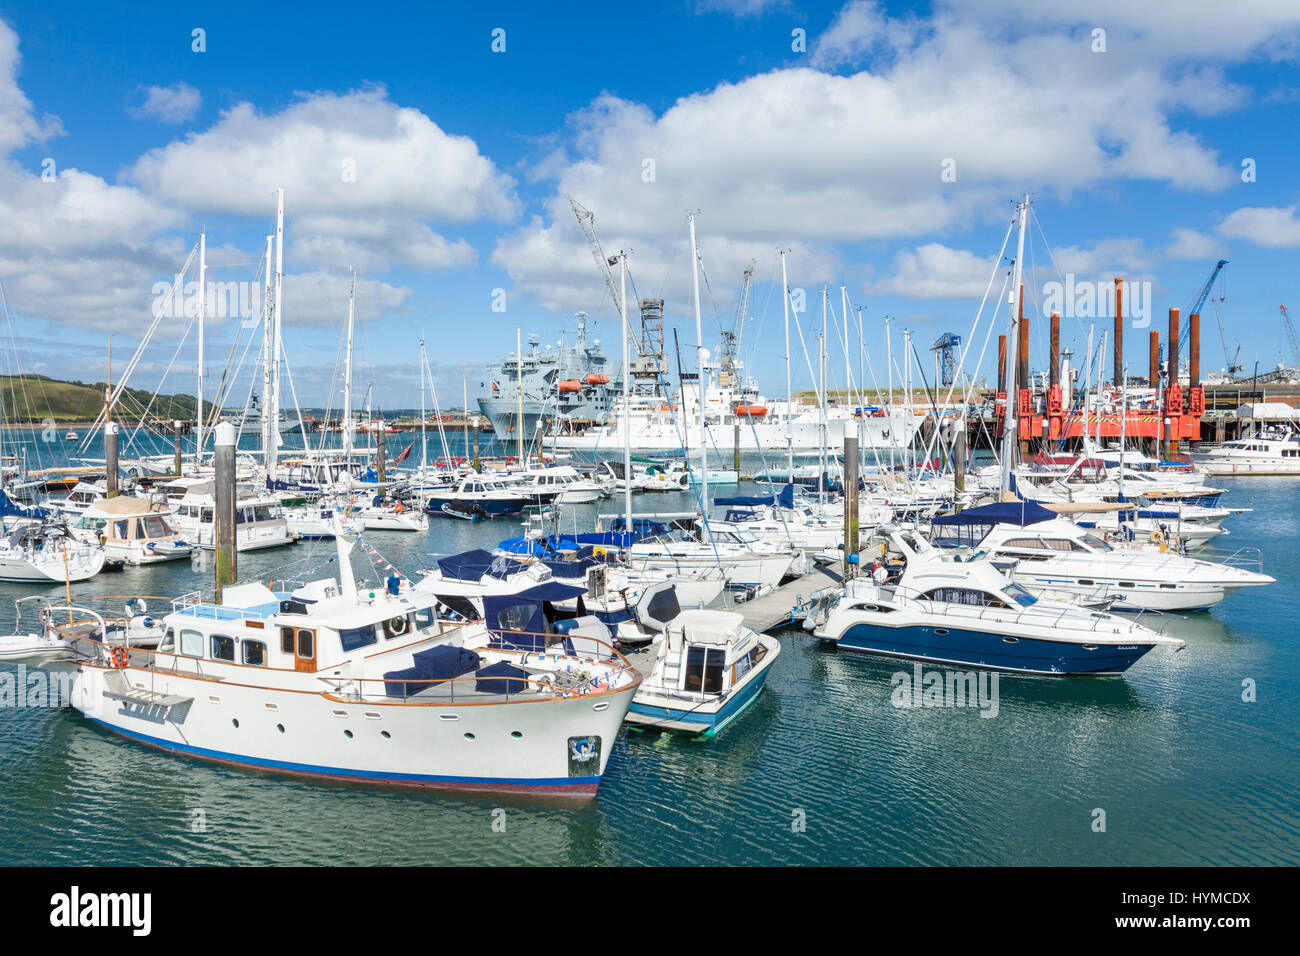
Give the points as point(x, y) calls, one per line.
point(750, 411)
point(597, 379)
point(570, 385)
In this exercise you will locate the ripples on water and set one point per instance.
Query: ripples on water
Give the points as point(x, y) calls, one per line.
point(1186, 772)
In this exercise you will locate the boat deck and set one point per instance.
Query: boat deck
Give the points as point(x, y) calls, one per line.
point(787, 604)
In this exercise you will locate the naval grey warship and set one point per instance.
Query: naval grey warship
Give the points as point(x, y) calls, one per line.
point(570, 384)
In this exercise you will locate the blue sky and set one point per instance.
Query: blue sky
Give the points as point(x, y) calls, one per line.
point(842, 152)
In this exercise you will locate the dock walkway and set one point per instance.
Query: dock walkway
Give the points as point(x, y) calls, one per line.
point(786, 604)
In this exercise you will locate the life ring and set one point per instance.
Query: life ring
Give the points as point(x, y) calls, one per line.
point(117, 657)
point(1157, 536)
point(598, 552)
point(395, 626)
point(399, 509)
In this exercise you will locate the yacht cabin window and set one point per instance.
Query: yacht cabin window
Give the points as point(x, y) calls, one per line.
point(223, 648)
point(704, 666)
point(156, 526)
point(254, 653)
point(191, 643)
point(967, 596)
point(354, 638)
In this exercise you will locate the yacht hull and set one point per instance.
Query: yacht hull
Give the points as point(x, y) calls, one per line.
point(471, 747)
point(990, 650)
point(707, 719)
point(1144, 596)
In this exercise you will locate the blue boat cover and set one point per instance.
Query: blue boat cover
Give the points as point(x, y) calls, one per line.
point(746, 501)
point(572, 569)
point(10, 510)
point(444, 662)
point(501, 678)
point(519, 620)
point(1020, 513)
point(641, 528)
point(405, 683)
point(539, 547)
point(472, 565)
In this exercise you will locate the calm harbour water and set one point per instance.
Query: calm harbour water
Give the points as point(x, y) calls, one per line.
point(1187, 772)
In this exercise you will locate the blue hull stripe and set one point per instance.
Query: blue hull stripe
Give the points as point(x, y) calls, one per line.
point(710, 720)
point(980, 649)
point(377, 776)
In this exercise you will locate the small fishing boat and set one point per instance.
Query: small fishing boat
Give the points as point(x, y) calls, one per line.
point(563, 483)
point(382, 513)
point(133, 530)
point(965, 613)
point(259, 518)
point(465, 510)
point(702, 668)
point(496, 495)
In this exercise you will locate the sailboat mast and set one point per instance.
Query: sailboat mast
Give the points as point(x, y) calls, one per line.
point(424, 441)
point(267, 339)
point(1013, 349)
point(203, 308)
point(272, 453)
point(789, 391)
point(701, 357)
point(627, 436)
point(347, 379)
point(892, 422)
point(821, 405)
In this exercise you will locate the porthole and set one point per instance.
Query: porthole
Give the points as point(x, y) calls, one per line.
point(1089, 647)
point(280, 727)
point(603, 705)
point(469, 736)
point(516, 734)
point(347, 734)
point(1010, 640)
point(236, 724)
point(940, 631)
point(385, 734)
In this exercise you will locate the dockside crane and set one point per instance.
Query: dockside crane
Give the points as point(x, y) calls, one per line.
point(946, 345)
point(1290, 333)
point(587, 222)
point(1234, 360)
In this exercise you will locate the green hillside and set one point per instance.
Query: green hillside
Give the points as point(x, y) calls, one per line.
point(29, 399)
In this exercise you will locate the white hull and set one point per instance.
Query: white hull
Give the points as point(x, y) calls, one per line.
point(247, 537)
point(316, 734)
point(1143, 596)
point(1290, 466)
point(412, 520)
point(721, 438)
point(45, 569)
point(762, 570)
